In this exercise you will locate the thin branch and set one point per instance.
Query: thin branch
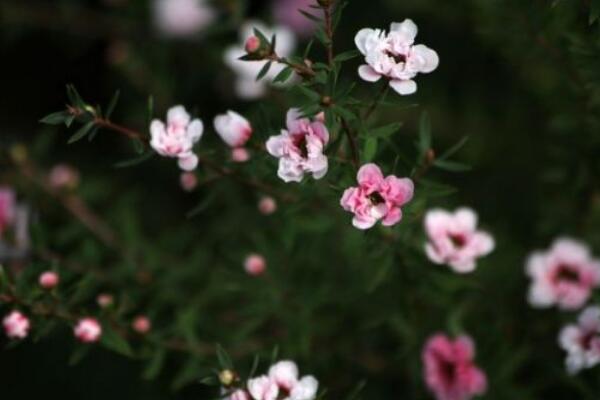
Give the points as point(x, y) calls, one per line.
point(352, 142)
point(329, 33)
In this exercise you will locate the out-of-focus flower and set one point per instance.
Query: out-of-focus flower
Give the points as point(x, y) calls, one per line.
point(255, 264)
point(454, 239)
point(181, 18)
point(377, 198)
point(394, 56)
point(234, 129)
point(178, 137)
point(449, 370)
point(581, 341)
point(283, 380)
point(63, 176)
point(88, 330)
point(239, 395)
point(16, 325)
point(246, 85)
point(267, 205)
point(188, 181)
point(48, 279)
point(141, 324)
point(240, 155)
point(7, 208)
point(105, 300)
point(565, 275)
point(286, 12)
point(300, 148)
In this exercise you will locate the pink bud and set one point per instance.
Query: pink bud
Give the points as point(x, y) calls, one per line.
point(141, 324)
point(48, 279)
point(188, 181)
point(63, 176)
point(252, 44)
point(255, 264)
point(16, 325)
point(88, 330)
point(240, 154)
point(105, 300)
point(267, 205)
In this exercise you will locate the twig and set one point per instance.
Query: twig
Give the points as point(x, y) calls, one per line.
point(352, 142)
point(329, 34)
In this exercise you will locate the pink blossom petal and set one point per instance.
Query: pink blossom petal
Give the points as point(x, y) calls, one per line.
point(404, 87)
point(367, 73)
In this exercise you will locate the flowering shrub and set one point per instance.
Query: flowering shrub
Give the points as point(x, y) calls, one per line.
point(322, 209)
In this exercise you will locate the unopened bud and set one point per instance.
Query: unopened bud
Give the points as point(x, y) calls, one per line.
point(252, 44)
point(227, 377)
point(430, 156)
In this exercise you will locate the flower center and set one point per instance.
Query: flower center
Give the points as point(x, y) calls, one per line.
point(376, 198)
point(586, 340)
point(300, 143)
point(398, 58)
point(448, 372)
point(567, 273)
point(458, 240)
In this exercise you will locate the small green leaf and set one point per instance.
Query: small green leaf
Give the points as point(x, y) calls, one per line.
point(448, 153)
point(223, 357)
point(113, 341)
point(80, 134)
point(261, 36)
point(264, 70)
point(385, 131)
point(322, 36)
point(347, 55)
point(310, 16)
point(284, 75)
point(135, 161)
point(112, 104)
point(451, 166)
point(369, 149)
point(311, 94)
point(56, 118)
point(155, 365)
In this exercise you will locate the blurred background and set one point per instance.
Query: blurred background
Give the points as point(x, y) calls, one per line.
point(520, 79)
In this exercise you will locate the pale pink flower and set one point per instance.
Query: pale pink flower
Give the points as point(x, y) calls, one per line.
point(141, 324)
point(63, 176)
point(246, 85)
point(239, 395)
point(377, 198)
point(188, 181)
point(286, 12)
point(565, 275)
point(234, 129)
point(7, 208)
point(105, 300)
point(283, 381)
point(240, 155)
point(454, 239)
point(394, 56)
point(300, 148)
point(255, 264)
point(581, 341)
point(180, 18)
point(449, 369)
point(48, 279)
point(88, 330)
point(178, 137)
point(267, 205)
point(16, 325)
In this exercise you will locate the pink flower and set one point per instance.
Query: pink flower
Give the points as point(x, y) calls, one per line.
point(188, 181)
point(240, 154)
point(454, 239)
point(88, 330)
point(300, 148)
point(376, 198)
point(286, 12)
point(255, 264)
point(178, 137)
point(63, 176)
point(449, 370)
point(581, 341)
point(394, 56)
point(283, 382)
point(7, 208)
point(267, 205)
point(239, 395)
point(234, 129)
point(48, 279)
point(141, 324)
point(182, 18)
point(565, 275)
point(105, 300)
point(16, 325)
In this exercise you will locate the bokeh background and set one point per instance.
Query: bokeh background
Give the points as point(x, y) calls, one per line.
point(521, 79)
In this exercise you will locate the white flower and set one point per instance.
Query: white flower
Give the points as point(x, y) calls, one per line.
point(582, 341)
point(395, 56)
point(182, 17)
point(263, 388)
point(178, 137)
point(246, 85)
point(234, 129)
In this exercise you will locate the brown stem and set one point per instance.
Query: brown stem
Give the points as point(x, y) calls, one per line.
point(104, 123)
point(329, 34)
point(301, 69)
point(377, 100)
point(425, 165)
point(352, 142)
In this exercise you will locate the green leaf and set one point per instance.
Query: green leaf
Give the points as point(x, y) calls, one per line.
point(347, 55)
point(311, 94)
point(260, 36)
point(115, 342)
point(452, 166)
point(80, 134)
point(344, 113)
point(112, 104)
point(369, 149)
point(74, 97)
point(264, 70)
point(424, 133)
point(56, 118)
point(223, 357)
point(385, 131)
point(448, 153)
point(78, 355)
point(310, 16)
point(135, 161)
point(155, 365)
point(322, 36)
point(284, 75)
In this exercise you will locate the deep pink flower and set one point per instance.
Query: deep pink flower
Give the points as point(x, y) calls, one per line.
point(88, 330)
point(7, 208)
point(141, 324)
point(255, 264)
point(565, 275)
point(286, 12)
point(449, 370)
point(300, 148)
point(581, 341)
point(376, 197)
point(16, 325)
point(48, 279)
point(454, 239)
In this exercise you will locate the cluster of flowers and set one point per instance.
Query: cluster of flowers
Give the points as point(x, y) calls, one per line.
point(565, 276)
point(87, 329)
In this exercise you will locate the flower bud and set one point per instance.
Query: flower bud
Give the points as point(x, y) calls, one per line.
point(267, 205)
point(227, 377)
point(88, 330)
point(188, 181)
point(240, 155)
point(141, 324)
point(255, 264)
point(48, 280)
point(16, 325)
point(252, 44)
point(105, 300)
